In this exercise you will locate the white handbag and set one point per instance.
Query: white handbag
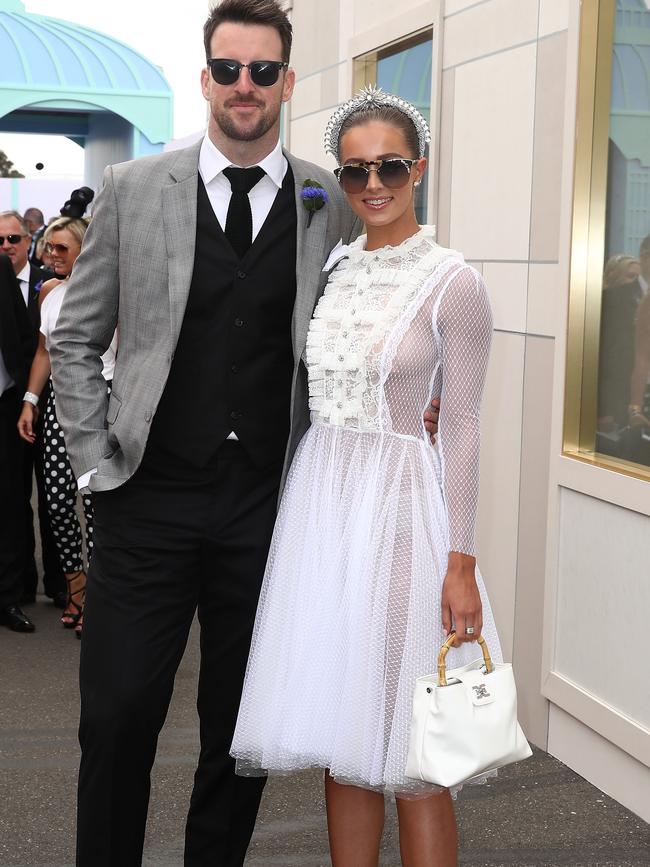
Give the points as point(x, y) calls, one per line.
point(464, 721)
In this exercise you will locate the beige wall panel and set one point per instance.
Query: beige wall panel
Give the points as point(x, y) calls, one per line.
point(614, 772)
point(329, 97)
point(496, 535)
point(452, 7)
point(316, 35)
point(603, 602)
point(533, 507)
point(382, 14)
point(488, 28)
point(306, 97)
point(546, 300)
point(446, 151)
point(548, 153)
point(492, 156)
point(307, 139)
point(507, 284)
point(553, 16)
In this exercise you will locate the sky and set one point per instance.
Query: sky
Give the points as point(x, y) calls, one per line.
point(168, 34)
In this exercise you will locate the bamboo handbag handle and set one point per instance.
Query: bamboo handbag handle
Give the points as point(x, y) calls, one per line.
point(444, 650)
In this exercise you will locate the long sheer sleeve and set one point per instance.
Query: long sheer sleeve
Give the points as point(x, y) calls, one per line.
point(464, 324)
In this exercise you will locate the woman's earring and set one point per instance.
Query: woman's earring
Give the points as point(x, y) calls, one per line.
point(417, 183)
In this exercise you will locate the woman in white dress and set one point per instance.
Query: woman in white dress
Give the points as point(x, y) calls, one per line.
point(372, 558)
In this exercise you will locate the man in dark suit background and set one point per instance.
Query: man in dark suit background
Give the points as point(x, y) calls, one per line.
point(16, 351)
point(15, 244)
point(35, 222)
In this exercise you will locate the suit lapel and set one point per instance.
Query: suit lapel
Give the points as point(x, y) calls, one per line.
point(311, 253)
point(179, 222)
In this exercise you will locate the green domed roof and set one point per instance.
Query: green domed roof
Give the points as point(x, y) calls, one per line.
point(49, 63)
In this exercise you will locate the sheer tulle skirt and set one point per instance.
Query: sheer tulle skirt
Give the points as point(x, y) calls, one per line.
point(349, 614)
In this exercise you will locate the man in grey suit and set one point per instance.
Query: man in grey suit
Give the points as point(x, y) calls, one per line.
point(206, 262)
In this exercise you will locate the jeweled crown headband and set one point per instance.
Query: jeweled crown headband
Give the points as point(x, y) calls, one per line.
point(371, 97)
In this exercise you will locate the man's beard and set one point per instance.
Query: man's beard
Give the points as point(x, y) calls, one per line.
point(230, 129)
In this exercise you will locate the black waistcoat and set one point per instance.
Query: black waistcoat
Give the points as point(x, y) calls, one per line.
point(233, 363)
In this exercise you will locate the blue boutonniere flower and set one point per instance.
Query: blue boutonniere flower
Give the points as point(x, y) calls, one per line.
point(314, 197)
point(38, 286)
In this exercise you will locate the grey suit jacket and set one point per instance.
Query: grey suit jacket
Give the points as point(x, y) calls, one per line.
point(134, 273)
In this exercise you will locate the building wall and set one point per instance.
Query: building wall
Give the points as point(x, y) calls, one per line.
point(503, 112)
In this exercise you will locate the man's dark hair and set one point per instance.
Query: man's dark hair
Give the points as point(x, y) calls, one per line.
point(36, 215)
point(266, 12)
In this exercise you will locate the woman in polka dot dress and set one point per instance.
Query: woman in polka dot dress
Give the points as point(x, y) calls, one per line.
point(63, 238)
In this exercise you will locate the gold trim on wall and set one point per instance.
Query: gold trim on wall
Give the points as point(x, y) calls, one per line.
point(597, 23)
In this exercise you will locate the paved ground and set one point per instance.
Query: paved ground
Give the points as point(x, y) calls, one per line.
point(537, 813)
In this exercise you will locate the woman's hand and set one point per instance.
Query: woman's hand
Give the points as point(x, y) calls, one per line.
point(26, 422)
point(461, 601)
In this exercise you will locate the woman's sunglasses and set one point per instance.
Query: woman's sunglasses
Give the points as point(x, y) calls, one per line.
point(393, 173)
point(264, 73)
point(59, 249)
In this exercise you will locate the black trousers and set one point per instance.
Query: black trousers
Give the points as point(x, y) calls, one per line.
point(164, 547)
point(12, 501)
point(53, 577)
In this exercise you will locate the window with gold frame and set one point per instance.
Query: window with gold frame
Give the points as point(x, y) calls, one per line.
point(607, 405)
point(404, 68)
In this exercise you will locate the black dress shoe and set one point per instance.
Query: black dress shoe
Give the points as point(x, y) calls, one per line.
point(60, 599)
point(15, 619)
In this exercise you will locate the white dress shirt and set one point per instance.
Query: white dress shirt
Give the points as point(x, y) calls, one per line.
point(23, 280)
point(211, 165)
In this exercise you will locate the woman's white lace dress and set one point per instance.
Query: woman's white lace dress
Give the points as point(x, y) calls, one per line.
point(349, 615)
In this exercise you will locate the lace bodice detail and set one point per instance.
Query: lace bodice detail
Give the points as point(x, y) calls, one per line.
point(394, 328)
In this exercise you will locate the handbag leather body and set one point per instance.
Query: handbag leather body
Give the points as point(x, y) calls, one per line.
point(464, 721)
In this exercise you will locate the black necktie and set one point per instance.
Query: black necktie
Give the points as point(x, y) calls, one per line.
point(239, 222)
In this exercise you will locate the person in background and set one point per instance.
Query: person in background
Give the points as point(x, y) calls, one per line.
point(15, 244)
point(621, 296)
point(64, 238)
point(639, 406)
point(35, 221)
point(16, 351)
point(43, 255)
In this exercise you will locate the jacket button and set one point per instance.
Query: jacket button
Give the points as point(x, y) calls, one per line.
point(239, 323)
point(234, 369)
point(234, 415)
point(241, 274)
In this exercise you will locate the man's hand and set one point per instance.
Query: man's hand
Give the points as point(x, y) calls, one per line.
point(431, 419)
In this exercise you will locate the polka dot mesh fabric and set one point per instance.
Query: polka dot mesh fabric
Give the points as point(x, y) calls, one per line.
point(61, 495)
point(349, 614)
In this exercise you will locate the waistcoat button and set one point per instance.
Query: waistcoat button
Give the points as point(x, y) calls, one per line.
point(241, 274)
point(239, 323)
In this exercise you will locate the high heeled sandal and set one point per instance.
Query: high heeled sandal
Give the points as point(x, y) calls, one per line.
point(70, 618)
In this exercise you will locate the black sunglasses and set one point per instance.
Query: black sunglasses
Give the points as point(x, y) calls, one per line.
point(393, 173)
point(13, 239)
point(264, 73)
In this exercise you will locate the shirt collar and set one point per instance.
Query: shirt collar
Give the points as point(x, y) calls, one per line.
point(212, 162)
point(24, 274)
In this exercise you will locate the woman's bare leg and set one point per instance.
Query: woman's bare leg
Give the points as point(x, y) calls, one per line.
point(355, 822)
point(428, 836)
